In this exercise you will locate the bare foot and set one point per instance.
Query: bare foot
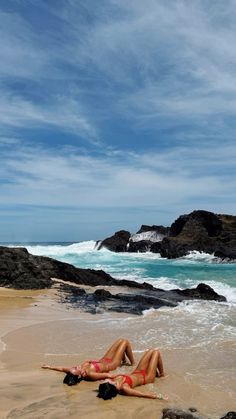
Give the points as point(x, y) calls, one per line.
point(161, 396)
point(163, 376)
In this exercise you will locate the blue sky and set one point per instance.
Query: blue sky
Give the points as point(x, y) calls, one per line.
point(114, 113)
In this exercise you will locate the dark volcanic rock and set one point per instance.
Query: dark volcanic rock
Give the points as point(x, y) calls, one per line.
point(102, 294)
point(197, 222)
point(203, 231)
point(226, 251)
point(116, 243)
point(140, 301)
point(200, 230)
point(141, 246)
point(136, 303)
point(229, 415)
point(156, 247)
point(202, 292)
point(173, 413)
point(19, 269)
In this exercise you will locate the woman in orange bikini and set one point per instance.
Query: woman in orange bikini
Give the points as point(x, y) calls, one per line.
point(93, 370)
point(149, 367)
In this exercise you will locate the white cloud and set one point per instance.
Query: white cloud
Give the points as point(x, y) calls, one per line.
point(161, 181)
point(61, 112)
point(22, 56)
point(29, 57)
point(174, 59)
point(160, 61)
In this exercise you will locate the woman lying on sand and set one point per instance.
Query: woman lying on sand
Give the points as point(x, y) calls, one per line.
point(93, 370)
point(149, 366)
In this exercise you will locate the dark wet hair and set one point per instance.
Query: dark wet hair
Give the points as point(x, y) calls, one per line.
point(106, 391)
point(71, 379)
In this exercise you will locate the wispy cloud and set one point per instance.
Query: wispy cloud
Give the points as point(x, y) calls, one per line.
point(152, 63)
point(61, 112)
point(33, 90)
point(150, 180)
point(173, 61)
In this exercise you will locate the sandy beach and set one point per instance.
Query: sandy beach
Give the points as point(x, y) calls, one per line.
point(36, 329)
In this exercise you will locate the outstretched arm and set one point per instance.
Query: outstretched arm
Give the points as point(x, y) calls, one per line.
point(60, 369)
point(136, 393)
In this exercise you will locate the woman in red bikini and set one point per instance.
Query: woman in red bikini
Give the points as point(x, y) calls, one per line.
point(149, 366)
point(93, 370)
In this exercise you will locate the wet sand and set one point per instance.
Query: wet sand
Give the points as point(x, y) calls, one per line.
point(37, 329)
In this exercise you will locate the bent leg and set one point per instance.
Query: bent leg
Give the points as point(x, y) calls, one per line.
point(160, 366)
point(112, 350)
point(118, 351)
point(128, 353)
point(144, 360)
point(155, 366)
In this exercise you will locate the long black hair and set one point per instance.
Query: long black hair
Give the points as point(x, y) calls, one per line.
point(106, 391)
point(71, 379)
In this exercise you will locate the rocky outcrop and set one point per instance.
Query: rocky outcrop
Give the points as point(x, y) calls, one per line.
point(229, 415)
point(141, 246)
point(201, 292)
point(175, 413)
point(197, 222)
point(116, 243)
point(200, 230)
point(145, 237)
point(123, 241)
point(203, 231)
point(134, 303)
point(19, 269)
point(191, 413)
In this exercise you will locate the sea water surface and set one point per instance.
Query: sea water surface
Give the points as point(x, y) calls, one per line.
point(198, 321)
point(150, 267)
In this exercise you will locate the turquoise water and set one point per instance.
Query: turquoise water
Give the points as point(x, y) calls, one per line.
point(149, 267)
point(194, 323)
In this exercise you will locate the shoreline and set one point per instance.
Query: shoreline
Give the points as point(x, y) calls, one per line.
point(38, 329)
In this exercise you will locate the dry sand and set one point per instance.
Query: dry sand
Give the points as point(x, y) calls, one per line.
point(35, 329)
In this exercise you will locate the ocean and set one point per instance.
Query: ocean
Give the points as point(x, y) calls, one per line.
point(186, 272)
point(212, 321)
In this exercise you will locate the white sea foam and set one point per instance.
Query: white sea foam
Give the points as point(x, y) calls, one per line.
point(152, 236)
point(191, 324)
point(61, 250)
point(195, 256)
point(161, 282)
point(223, 289)
point(196, 323)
